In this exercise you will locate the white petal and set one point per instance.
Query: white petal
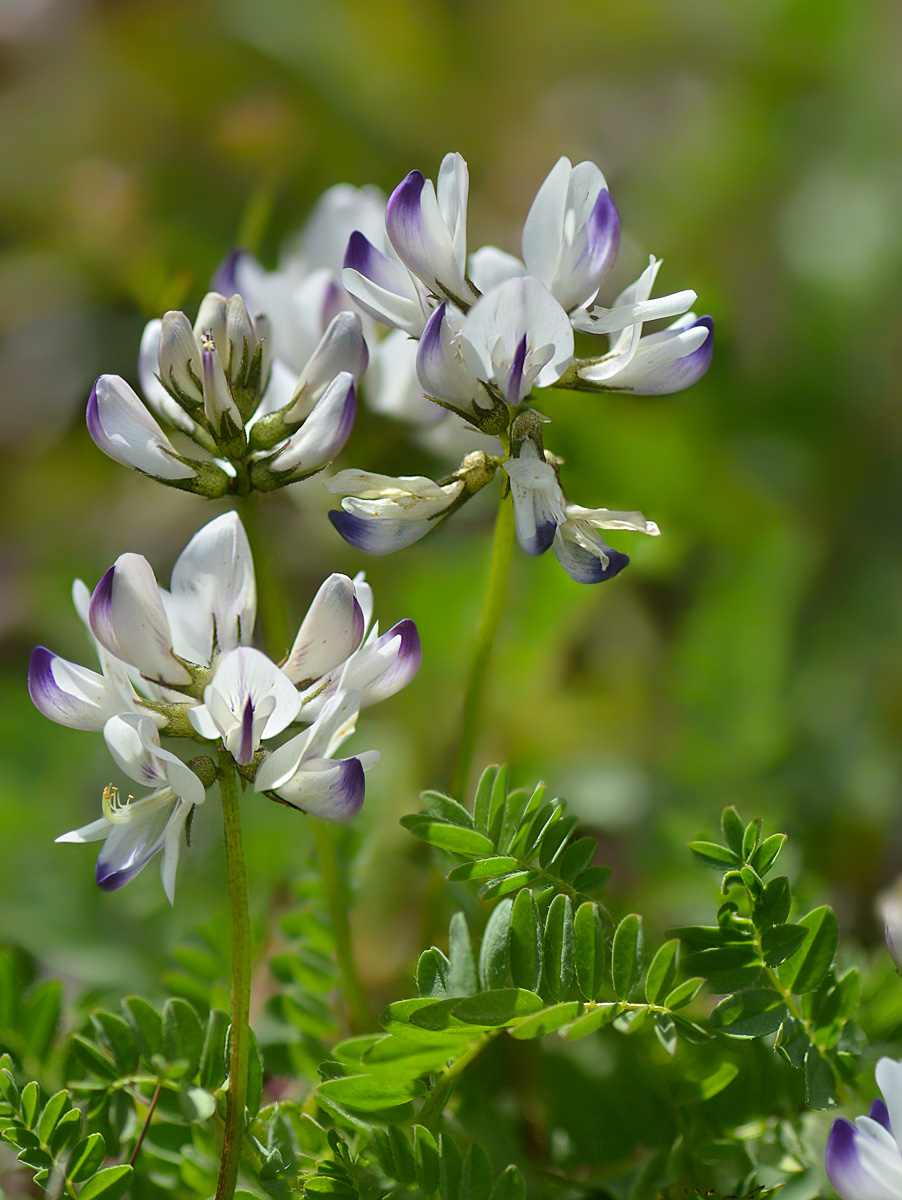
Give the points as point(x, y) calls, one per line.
point(128, 618)
point(330, 632)
point(154, 392)
point(324, 433)
point(490, 266)
point(125, 431)
point(69, 694)
point(213, 583)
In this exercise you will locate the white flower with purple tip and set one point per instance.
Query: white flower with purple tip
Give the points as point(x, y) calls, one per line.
point(537, 498)
point(864, 1159)
point(427, 225)
point(441, 366)
point(572, 233)
point(303, 773)
point(384, 288)
point(134, 832)
point(517, 337)
point(331, 631)
point(248, 699)
point(315, 443)
point(583, 553)
point(381, 513)
point(126, 432)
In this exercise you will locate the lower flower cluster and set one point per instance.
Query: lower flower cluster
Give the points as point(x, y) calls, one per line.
point(178, 664)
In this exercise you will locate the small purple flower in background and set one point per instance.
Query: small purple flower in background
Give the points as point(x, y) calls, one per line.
point(864, 1159)
point(179, 663)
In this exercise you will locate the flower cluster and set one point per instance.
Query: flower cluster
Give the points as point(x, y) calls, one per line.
point(864, 1160)
point(305, 293)
point(492, 333)
point(251, 421)
point(179, 664)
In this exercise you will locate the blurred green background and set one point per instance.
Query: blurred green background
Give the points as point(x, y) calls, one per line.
point(750, 656)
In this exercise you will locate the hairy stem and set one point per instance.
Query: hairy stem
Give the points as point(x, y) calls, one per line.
point(359, 1015)
point(493, 606)
point(241, 980)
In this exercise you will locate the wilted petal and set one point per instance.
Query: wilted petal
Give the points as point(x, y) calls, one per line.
point(585, 556)
point(128, 619)
point(69, 694)
point(669, 361)
point(330, 632)
point(129, 847)
point(325, 431)
point(125, 431)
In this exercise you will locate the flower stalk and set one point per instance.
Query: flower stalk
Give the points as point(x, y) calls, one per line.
point(493, 606)
point(239, 1045)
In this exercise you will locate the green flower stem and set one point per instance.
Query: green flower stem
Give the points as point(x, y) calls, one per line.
point(493, 606)
point(359, 1016)
point(277, 636)
point(271, 605)
point(241, 980)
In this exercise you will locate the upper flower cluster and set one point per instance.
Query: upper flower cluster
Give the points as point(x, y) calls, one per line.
point(492, 332)
point(254, 421)
point(179, 663)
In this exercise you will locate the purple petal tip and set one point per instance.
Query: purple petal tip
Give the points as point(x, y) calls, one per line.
point(224, 277)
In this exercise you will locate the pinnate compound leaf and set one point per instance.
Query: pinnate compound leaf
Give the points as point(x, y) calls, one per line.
point(805, 969)
point(780, 942)
point(509, 1185)
point(449, 1168)
point(595, 1018)
point(694, 1091)
point(53, 1110)
point(496, 1008)
point(482, 802)
point(710, 854)
point(445, 836)
point(119, 1038)
point(733, 829)
point(147, 1024)
point(425, 1153)
point(86, 1157)
point(767, 853)
point(773, 905)
point(484, 868)
point(462, 979)
point(183, 1036)
point(526, 942)
point(446, 809)
point(402, 1156)
point(662, 971)
point(547, 1021)
point(684, 993)
point(589, 950)
point(627, 954)
point(475, 1175)
point(493, 953)
point(108, 1184)
point(213, 1068)
point(40, 1017)
point(665, 1031)
point(559, 947)
point(749, 1014)
point(370, 1093)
